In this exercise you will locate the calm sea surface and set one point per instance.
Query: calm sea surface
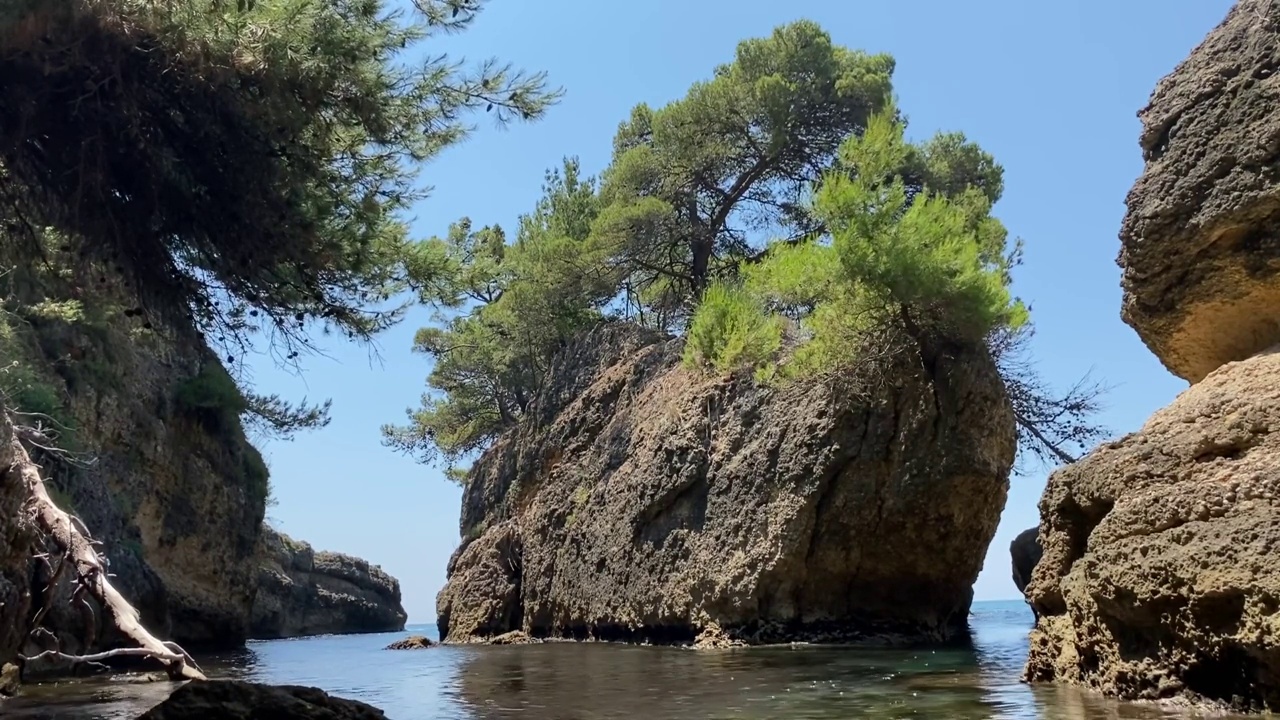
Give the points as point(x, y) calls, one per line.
point(589, 681)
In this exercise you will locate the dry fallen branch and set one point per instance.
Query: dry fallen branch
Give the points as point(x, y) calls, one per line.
point(73, 540)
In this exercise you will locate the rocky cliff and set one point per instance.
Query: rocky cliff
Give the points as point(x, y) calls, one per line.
point(303, 592)
point(1160, 574)
point(1159, 577)
point(159, 469)
point(642, 499)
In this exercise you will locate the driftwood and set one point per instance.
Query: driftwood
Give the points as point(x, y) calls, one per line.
point(79, 556)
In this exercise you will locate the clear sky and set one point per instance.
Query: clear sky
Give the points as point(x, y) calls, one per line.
point(1050, 88)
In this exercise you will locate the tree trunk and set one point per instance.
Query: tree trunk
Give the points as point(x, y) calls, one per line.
point(72, 538)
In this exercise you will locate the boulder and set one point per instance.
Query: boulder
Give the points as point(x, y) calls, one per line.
point(644, 500)
point(1025, 551)
point(1201, 238)
point(303, 592)
point(234, 700)
point(413, 642)
point(1161, 569)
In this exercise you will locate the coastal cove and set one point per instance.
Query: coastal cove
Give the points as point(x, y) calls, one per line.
point(547, 682)
point(826, 335)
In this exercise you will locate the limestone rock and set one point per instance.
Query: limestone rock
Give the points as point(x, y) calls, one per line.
point(1025, 551)
point(646, 501)
point(234, 700)
point(302, 592)
point(1161, 568)
point(1201, 239)
point(413, 642)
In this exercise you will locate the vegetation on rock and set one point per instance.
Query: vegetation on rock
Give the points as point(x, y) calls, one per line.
point(220, 173)
point(798, 140)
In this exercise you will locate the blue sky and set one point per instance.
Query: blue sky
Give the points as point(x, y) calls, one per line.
point(1051, 89)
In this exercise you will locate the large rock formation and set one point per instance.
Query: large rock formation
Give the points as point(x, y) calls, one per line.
point(643, 499)
point(1159, 577)
point(1025, 552)
point(160, 472)
point(1161, 567)
point(302, 592)
point(1201, 252)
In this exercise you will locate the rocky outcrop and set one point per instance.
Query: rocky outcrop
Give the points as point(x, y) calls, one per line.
point(159, 470)
point(1025, 551)
point(1159, 578)
point(175, 492)
point(646, 500)
point(1161, 571)
point(234, 700)
point(1200, 251)
point(413, 642)
point(302, 592)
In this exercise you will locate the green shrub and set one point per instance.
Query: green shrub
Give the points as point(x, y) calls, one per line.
point(256, 475)
point(732, 329)
point(212, 395)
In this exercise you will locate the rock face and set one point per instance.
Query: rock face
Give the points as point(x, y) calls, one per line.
point(1161, 568)
point(302, 592)
point(646, 500)
point(174, 491)
point(1025, 551)
point(1159, 577)
point(1201, 250)
point(233, 700)
point(177, 494)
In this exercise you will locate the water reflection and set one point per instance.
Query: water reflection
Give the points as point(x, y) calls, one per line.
point(601, 682)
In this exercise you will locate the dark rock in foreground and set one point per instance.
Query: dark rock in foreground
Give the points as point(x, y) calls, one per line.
point(1026, 551)
point(1161, 571)
point(647, 501)
point(234, 700)
point(302, 592)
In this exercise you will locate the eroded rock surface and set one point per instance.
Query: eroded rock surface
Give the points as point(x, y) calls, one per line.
point(234, 700)
point(303, 592)
point(1161, 568)
point(1201, 239)
point(1025, 551)
point(648, 501)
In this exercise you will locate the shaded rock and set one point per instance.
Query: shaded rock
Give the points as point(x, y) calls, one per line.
point(644, 501)
point(482, 597)
point(302, 592)
point(413, 642)
point(1161, 569)
point(234, 700)
point(1200, 247)
point(1025, 551)
point(176, 492)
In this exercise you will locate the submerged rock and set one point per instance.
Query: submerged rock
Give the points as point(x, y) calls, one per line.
point(1200, 252)
point(1161, 568)
point(234, 700)
point(413, 642)
point(302, 592)
point(646, 501)
point(1025, 551)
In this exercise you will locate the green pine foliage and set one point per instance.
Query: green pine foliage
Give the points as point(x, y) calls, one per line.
point(796, 139)
point(889, 254)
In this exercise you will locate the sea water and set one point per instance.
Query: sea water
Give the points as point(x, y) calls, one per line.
point(588, 681)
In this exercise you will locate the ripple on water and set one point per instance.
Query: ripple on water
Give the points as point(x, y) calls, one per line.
point(599, 682)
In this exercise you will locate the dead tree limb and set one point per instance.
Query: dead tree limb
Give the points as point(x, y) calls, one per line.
point(84, 560)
